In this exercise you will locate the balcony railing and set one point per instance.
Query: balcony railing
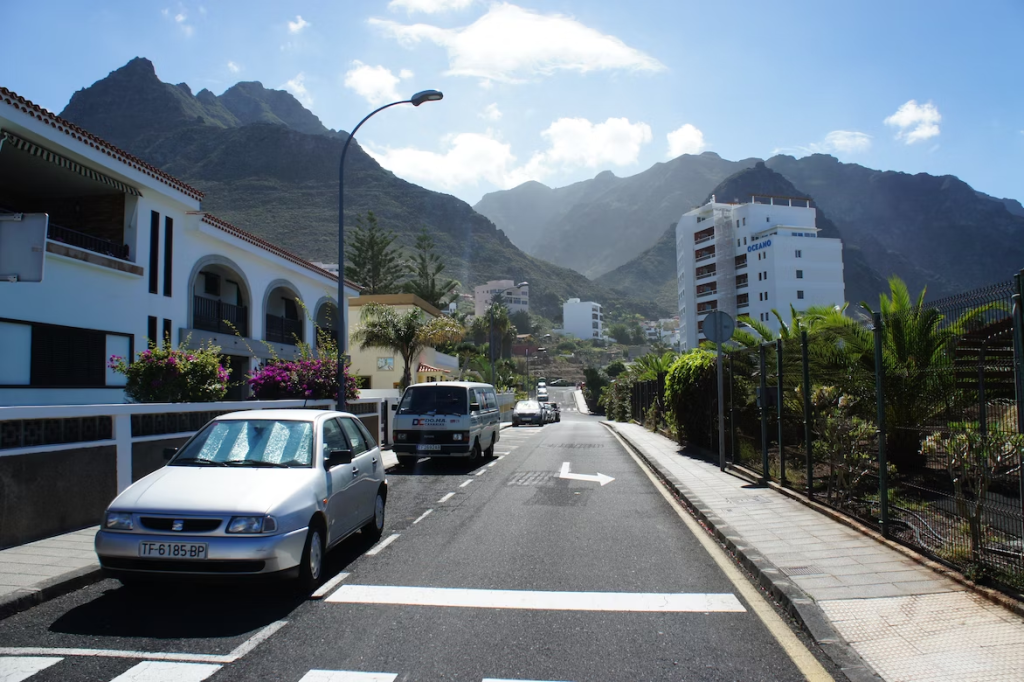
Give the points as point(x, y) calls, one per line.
point(706, 291)
point(707, 307)
point(283, 330)
point(87, 242)
point(212, 315)
point(741, 261)
point(741, 281)
point(706, 271)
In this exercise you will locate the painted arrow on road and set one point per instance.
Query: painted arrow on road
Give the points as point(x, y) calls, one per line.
point(596, 478)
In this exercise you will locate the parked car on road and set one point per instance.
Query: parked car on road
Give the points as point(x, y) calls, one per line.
point(527, 412)
point(255, 493)
point(549, 414)
point(557, 410)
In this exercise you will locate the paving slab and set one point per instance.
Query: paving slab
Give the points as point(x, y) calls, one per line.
point(876, 611)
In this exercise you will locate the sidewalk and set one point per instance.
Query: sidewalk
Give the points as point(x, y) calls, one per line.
point(872, 609)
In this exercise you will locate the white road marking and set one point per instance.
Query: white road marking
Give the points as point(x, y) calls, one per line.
point(18, 668)
point(503, 452)
point(239, 651)
point(492, 463)
point(346, 676)
point(464, 484)
point(166, 671)
point(481, 472)
point(538, 600)
point(422, 516)
point(794, 648)
point(446, 498)
point(322, 591)
point(423, 459)
point(595, 478)
point(381, 545)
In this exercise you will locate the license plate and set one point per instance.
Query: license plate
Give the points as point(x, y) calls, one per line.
point(428, 447)
point(173, 550)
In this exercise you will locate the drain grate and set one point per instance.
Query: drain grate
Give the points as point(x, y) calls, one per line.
point(533, 478)
point(802, 570)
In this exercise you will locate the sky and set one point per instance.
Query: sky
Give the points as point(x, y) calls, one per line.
point(558, 91)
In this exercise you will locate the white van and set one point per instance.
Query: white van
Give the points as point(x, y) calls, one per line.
point(447, 419)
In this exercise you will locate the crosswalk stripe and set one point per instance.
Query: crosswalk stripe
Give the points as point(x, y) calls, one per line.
point(18, 668)
point(165, 671)
point(346, 676)
point(538, 600)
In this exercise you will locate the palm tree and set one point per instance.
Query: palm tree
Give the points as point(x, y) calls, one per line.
point(501, 324)
point(427, 280)
point(381, 326)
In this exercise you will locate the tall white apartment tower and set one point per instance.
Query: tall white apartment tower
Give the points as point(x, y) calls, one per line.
point(583, 319)
point(749, 258)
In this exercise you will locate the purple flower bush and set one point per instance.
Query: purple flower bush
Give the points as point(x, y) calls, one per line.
point(174, 375)
point(312, 378)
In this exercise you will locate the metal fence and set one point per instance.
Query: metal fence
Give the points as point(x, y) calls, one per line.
point(918, 434)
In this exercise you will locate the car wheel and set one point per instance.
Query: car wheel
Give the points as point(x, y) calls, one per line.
point(407, 460)
point(375, 528)
point(489, 452)
point(474, 454)
point(312, 562)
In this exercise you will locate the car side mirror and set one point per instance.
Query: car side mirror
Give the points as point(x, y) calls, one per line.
point(170, 452)
point(474, 407)
point(337, 457)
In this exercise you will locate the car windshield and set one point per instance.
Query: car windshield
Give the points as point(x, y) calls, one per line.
point(250, 443)
point(434, 400)
point(527, 405)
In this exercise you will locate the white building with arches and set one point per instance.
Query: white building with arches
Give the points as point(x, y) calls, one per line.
point(101, 252)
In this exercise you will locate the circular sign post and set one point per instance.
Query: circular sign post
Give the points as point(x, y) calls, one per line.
point(718, 328)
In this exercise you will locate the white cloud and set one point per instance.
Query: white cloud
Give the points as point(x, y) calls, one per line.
point(429, 6)
point(375, 83)
point(686, 139)
point(844, 142)
point(180, 18)
point(234, 68)
point(491, 112)
point(297, 86)
point(472, 157)
point(915, 121)
point(297, 25)
point(510, 44)
point(181, 21)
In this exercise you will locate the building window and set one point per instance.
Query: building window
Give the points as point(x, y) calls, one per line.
point(799, 293)
point(66, 356)
point(744, 222)
point(151, 333)
point(154, 250)
point(799, 253)
point(799, 274)
point(166, 340)
point(168, 254)
point(759, 277)
point(211, 284)
point(767, 219)
point(744, 239)
point(766, 275)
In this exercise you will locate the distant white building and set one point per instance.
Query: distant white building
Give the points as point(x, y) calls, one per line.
point(517, 299)
point(583, 319)
point(749, 258)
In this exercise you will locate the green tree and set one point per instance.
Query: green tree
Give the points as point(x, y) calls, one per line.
point(381, 326)
point(521, 320)
point(373, 260)
point(621, 333)
point(499, 321)
point(428, 280)
point(615, 369)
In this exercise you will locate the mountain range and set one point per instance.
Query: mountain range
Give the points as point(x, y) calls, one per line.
point(270, 166)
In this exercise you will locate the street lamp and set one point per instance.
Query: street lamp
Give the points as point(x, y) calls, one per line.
point(490, 345)
point(416, 100)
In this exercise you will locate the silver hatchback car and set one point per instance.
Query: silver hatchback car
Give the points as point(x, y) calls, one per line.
point(257, 493)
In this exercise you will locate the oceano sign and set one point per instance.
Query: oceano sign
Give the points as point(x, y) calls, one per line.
point(760, 245)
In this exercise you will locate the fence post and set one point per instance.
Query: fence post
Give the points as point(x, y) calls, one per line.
point(778, 398)
point(883, 478)
point(732, 411)
point(764, 417)
point(807, 413)
point(1018, 376)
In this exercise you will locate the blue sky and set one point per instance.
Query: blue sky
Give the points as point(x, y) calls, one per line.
point(560, 90)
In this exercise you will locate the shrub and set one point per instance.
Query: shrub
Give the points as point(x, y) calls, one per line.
point(314, 376)
point(174, 375)
point(693, 396)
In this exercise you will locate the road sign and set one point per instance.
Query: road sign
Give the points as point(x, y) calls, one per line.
point(718, 326)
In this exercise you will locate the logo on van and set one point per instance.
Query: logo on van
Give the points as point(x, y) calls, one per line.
point(435, 421)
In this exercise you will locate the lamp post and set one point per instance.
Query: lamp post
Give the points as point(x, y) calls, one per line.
point(416, 100)
point(490, 344)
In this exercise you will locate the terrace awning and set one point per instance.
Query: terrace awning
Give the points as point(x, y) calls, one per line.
point(9, 138)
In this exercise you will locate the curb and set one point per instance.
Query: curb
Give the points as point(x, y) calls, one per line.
point(767, 576)
point(51, 588)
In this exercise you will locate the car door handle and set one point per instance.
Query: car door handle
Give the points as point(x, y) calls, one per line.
point(355, 471)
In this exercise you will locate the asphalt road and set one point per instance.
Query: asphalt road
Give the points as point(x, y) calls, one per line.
point(499, 538)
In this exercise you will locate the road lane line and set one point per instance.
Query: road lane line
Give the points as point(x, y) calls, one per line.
point(464, 484)
point(18, 668)
point(481, 472)
point(328, 586)
point(492, 463)
point(254, 641)
point(167, 671)
point(422, 516)
point(114, 653)
point(503, 452)
point(791, 644)
point(538, 600)
point(346, 676)
point(381, 545)
point(446, 498)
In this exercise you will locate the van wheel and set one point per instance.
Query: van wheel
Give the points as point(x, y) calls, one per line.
point(474, 454)
point(407, 460)
point(489, 452)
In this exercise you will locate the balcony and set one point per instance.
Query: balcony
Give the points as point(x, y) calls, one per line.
point(741, 281)
point(743, 301)
point(741, 261)
point(706, 271)
point(707, 307)
point(704, 236)
point(216, 316)
point(86, 241)
point(283, 330)
point(707, 289)
point(704, 254)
